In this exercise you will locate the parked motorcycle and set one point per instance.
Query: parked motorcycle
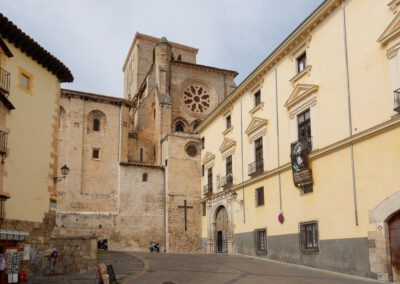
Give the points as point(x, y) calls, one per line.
point(154, 246)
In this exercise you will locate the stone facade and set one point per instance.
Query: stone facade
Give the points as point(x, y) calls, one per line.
point(149, 163)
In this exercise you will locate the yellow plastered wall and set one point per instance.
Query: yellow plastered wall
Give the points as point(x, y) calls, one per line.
point(29, 166)
point(376, 158)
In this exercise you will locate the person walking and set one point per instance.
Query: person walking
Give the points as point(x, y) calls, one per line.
point(53, 260)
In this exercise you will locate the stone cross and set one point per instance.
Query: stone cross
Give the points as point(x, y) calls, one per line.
point(185, 207)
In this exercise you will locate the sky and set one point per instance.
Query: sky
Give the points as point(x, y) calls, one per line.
point(92, 37)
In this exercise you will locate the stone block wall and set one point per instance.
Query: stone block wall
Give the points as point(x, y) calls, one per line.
point(76, 254)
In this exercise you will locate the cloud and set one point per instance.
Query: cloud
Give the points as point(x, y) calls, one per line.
point(92, 37)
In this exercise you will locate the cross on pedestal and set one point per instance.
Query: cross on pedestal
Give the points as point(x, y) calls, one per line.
point(185, 207)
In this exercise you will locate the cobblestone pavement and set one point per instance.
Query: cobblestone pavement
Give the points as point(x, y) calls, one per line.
point(231, 269)
point(126, 267)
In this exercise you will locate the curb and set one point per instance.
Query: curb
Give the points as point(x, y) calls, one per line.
point(145, 268)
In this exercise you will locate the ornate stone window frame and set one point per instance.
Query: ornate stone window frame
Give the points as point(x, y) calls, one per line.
point(302, 48)
point(303, 97)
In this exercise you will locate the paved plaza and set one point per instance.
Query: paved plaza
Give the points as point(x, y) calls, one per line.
point(160, 268)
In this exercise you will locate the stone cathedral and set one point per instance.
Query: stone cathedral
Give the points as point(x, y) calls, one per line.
point(134, 161)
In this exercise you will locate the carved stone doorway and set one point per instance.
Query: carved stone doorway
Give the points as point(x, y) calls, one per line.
point(394, 240)
point(221, 230)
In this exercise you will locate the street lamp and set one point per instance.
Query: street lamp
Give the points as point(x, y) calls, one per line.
point(64, 172)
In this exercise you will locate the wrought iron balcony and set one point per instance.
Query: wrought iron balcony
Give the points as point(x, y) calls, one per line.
point(207, 189)
point(3, 145)
point(4, 82)
point(396, 103)
point(256, 167)
point(226, 181)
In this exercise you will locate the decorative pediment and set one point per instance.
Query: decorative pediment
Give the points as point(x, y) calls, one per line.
point(255, 124)
point(227, 144)
point(392, 31)
point(300, 92)
point(208, 158)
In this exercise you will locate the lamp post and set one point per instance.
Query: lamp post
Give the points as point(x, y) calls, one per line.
point(64, 172)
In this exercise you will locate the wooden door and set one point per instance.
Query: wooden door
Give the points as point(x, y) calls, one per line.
point(394, 239)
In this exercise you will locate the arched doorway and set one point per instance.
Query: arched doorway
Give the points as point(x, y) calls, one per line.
point(394, 241)
point(221, 230)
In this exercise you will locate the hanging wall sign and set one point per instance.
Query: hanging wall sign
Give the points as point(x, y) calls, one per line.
point(299, 158)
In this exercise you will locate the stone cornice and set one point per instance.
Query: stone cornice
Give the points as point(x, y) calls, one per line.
point(204, 67)
point(297, 37)
point(65, 93)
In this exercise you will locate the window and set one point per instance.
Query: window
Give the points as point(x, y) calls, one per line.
point(96, 154)
point(145, 177)
point(202, 170)
point(258, 152)
point(228, 164)
point(301, 62)
point(257, 98)
point(204, 209)
point(179, 127)
point(261, 240)
point(203, 141)
point(96, 124)
point(304, 126)
point(260, 196)
point(309, 237)
point(25, 81)
point(210, 178)
point(141, 154)
point(228, 122)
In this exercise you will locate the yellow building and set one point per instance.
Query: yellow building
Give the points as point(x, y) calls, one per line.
point(30, 80)
point(301, 162)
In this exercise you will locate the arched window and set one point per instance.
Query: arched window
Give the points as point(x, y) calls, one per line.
point(179, 57)
point(179, 127)
point(145, 177)
point(96, 124)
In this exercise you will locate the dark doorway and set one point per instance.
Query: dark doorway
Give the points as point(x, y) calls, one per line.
point(221, 228)
point(394, 239)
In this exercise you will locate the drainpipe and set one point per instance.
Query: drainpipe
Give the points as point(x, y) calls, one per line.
point(349, 113)
point(277, 139)
point(241, 149)
point(165, 196)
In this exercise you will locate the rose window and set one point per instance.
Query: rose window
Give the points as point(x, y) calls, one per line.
point(197, 99)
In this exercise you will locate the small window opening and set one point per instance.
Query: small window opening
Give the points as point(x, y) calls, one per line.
point(96, 124)
point(145, 177)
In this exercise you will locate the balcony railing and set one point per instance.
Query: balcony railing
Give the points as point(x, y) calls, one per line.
point(256, 167)
point(207, 189)
point(396, 103)
point(226, 181)
point(4, 82)
point(3, 145)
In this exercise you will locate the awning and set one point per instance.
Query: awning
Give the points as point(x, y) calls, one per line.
point(13, 235)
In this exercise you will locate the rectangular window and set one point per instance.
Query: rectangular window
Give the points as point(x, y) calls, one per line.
point(260, 196)
point(228, 165)
point(210, 178)
point(96, 154)
point(257, 98)
point(258, 153)
point(304, 126)
point(228, 122)
point(141, 154)
point(301, 62)
point(309, 237)
point(203, 141)
point(261, 240)
point(202, 170)
point(25, 81)
point(204, 209)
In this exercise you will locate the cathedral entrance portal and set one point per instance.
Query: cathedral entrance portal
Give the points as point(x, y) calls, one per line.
point(221, 229)
point(394, 240)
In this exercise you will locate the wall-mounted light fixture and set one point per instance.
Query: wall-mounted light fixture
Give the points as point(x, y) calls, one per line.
point(234, 197)
point(64, 172)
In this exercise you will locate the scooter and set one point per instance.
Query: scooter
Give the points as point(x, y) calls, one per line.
point(154, 246)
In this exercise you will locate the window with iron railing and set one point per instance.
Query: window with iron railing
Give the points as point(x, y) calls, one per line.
point(258, 165)
point(4, 82)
